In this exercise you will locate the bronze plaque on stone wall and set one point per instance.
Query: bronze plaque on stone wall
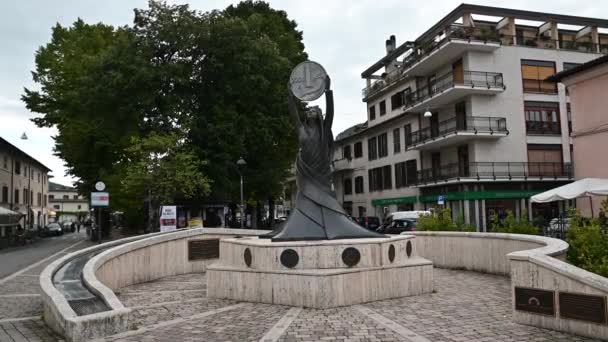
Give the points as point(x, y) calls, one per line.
point(535, 301)
point(203, 249)
point(582, 307)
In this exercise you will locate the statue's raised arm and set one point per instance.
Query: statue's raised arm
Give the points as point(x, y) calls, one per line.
point(329, 104)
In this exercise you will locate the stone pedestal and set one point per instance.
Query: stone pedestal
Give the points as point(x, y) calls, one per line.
point(319, 274)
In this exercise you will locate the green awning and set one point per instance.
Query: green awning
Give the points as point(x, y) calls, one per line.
point(395, 200)
point(479, 195)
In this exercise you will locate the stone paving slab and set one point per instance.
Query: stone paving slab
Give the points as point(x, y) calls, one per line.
point(31, 330)
point(20, 284)
point(15, 307)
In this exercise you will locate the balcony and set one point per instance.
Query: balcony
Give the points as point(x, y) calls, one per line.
point(433, 54)
point(547, 43)
point(494, 171)
point(543, 128)
point(453, 86)
point(343, 165)
point(454, 131)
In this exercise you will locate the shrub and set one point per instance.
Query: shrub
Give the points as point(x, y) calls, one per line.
point(589, 242)
point(441, 220)
point(513, 225)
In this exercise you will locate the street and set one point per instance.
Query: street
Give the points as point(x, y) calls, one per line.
point(16, 259)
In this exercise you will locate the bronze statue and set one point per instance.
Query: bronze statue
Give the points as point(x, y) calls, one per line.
point(317, 214)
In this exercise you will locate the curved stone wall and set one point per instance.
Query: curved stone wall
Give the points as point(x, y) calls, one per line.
point(574, 301)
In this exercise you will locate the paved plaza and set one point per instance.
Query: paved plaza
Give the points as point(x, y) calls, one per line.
point(466, 306)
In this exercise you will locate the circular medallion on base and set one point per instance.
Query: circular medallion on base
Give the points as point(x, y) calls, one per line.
point(351, 256)
point(289, 258)
point(408, 249)
point(247, 257)
point(391, 253)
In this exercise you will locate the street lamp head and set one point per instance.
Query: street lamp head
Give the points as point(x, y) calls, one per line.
point(428, 114)
point(241, 162)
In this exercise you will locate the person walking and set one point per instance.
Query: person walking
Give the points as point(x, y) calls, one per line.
point(78, 226)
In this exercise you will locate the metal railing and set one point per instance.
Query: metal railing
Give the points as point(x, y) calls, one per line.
point(453, 32)
point(473, 79)
point(543, 127)
point(494, 170)
point(547, 43)
point(474, 124)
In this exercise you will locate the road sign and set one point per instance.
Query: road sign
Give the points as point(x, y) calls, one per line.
point(100, 199)
point(168, 218)
point(441, 200)
point(307, 81)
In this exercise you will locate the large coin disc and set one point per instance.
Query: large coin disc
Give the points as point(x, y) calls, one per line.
point(307, 81)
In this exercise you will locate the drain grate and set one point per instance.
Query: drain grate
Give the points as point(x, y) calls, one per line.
point(88, 306)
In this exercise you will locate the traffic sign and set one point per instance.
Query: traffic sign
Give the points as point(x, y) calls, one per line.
point(100, 199)
point(441, 200)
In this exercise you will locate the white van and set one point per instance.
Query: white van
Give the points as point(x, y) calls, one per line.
point(412, 215)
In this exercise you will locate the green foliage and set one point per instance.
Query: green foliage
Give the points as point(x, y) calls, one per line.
point(140, 105)
point(589, 242)
point(513, 225)
point(441, 220)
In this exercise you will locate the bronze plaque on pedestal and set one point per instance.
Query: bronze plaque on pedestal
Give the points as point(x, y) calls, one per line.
point(582, 307)
point(535, 301)
point(203, 249)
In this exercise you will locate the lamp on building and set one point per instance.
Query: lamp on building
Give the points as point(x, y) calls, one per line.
point(428, 113)
point(23, 136)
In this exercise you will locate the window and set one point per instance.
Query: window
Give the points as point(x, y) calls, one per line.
point(31, 197)
point(348, 186)
point(569, 114)
point(66, 197)
point(359, 184)
point(39, 198)
point(5, 194)
point(45, 200)
point(545, 160)
point(407, 133)
point(382, 145)
point(542, 117)
point(56, 206)
point(6, 162)
point(372, 149)
point(396, 140)
point(397, 100)
point(16, 199)
point(17, 168)
point(411, 172)
point(382, 107)
point(25, 199)
point(75, 197)
point(534, 74)
point(38, 177)
point(346, 152)
point(358, 149)
point(387, 177)
point(372, 113)
point(51, 197)
point(399, 175)
point(31, 173)
point(79, 207)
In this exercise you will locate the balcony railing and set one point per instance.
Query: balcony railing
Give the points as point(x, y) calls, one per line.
point(473, 79)
point(495, 170)
point(453, 32)
point(473, 124)
point(545, 43)
point(543, 127)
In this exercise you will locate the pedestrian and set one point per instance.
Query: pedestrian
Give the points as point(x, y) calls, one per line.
point(78, 226)
point(73, 226)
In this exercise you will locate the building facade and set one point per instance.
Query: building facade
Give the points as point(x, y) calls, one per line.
point(23, 185)
point(465, 114)
point(65, 204)
point(587, 86)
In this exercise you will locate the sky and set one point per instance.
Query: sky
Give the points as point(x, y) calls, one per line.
point(345, 36)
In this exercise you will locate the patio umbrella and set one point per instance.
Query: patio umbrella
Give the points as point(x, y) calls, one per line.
point(585, 187)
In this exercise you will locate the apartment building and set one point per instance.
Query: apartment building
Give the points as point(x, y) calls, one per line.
point(24, 184)
point(465, 114)
point(65, 204)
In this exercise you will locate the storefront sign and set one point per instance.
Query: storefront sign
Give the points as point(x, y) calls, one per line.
point(100, 199)
point(479, 195)
point(396, 200)
point(168, 218)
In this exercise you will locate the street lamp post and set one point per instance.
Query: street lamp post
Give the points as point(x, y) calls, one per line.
point(240, 165)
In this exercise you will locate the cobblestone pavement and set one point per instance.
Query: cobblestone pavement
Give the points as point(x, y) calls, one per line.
point(466, 306)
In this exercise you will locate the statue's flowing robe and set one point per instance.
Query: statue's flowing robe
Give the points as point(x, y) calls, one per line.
point(317, 215)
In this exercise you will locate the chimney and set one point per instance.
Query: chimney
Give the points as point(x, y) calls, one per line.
point(389, 46)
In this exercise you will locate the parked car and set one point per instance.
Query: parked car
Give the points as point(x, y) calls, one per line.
point(408, 215)
point(53, 229)
point(559, 225)
point(398, 226)
point(369, 222)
